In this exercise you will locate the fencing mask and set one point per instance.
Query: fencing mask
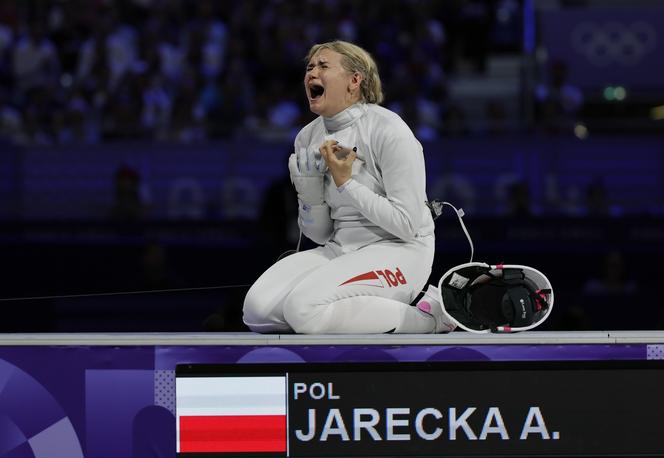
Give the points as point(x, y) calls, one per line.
point(481, 298)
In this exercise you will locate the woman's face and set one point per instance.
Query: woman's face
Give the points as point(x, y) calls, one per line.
point(329, 87)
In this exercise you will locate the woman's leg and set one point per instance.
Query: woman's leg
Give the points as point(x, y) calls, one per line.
point(366, 291)
point(263, 304)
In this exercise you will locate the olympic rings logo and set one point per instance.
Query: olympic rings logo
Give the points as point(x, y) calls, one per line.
point(613, 42)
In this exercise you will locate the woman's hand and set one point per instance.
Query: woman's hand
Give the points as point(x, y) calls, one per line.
point(339, 160)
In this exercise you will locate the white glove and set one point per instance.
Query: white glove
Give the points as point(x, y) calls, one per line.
point(307, 169)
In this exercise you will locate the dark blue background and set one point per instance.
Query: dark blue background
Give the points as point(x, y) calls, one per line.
point(517, 126)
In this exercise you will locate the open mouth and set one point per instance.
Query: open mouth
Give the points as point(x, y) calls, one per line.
point(316, 90)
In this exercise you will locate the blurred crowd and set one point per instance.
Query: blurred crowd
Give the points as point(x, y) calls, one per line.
point(185, 71)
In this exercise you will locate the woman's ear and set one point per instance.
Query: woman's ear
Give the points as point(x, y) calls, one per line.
point(355, 81)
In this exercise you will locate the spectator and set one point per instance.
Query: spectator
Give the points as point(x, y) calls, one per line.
point(558, 102)
point(121, 47)
point(597, 201)
point(157, 106)
point(11, 121)
point(613, 279)
point(35, 60)
point(38, 115)
point(76, 122)
point(518, 199)
point(187, 118)
point(93, 70)
point(156, 269)
point(131, 63)
point(607, 294)
point(278, 215)
point(6, 43)
point(128, 206)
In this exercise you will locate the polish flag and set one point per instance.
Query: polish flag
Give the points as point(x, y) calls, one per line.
point(231, 414)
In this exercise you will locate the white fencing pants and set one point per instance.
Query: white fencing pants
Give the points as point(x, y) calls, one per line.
point(320, 291)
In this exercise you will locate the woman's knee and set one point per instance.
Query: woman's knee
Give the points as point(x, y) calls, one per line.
point(298, 309)
point(256, 307)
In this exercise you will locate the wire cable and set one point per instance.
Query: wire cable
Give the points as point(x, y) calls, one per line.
point(120, 293)
point(436, 208)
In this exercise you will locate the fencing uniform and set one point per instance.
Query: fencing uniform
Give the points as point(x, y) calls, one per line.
point(376, 232)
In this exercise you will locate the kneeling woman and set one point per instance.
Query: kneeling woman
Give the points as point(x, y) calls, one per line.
point(360, 178)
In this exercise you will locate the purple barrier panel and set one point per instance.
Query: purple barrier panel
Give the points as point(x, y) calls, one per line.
point(167, 357)
point(103, 401)
point(48, 398)
point(113, 397)
point(32, 421)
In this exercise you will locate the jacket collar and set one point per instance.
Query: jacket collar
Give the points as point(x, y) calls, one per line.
point(345, 118)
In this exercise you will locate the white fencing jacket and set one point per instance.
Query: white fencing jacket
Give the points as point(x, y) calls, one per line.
point(385, 198)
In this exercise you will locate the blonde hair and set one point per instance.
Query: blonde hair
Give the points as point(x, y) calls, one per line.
point(355, 59)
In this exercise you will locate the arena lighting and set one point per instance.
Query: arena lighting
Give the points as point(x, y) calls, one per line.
point(657, 113)
point(580, 131)
point(614, 93)
point(608, 93)
point(619, 93)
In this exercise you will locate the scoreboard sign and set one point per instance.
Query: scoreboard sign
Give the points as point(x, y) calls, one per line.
point(421, 409)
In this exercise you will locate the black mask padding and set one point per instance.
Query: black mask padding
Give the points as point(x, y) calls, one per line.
point(490, 304)
point(455, 304)
point(506, 300)
point(496, 304)
point(522, 306)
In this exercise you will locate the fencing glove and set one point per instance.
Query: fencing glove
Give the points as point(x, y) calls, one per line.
point(307, 170)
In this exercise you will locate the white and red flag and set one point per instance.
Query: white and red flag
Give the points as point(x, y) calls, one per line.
point(231, 414)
